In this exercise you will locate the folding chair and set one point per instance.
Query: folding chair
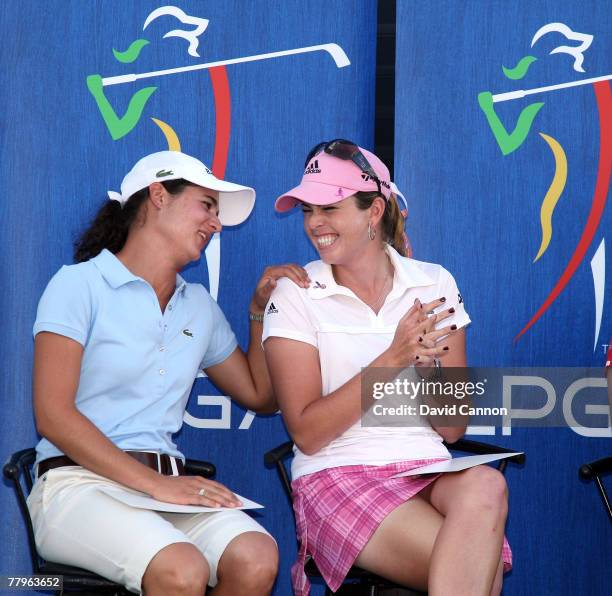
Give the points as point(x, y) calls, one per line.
point(594, 471)
point(359, 581)
point(19, 471)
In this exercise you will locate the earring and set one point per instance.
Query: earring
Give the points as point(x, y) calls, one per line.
point(371, 231)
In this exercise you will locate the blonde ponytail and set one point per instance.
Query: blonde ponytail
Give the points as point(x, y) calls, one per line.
point(392, 223)
point(393, 226)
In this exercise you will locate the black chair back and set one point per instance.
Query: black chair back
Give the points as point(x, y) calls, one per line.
point(17, 467)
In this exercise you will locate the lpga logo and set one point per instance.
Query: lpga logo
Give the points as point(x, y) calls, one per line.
point(509, 142)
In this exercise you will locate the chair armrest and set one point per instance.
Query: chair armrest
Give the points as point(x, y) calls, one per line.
point(279, 453)
point(13, 467)
point(479, 448)
point(595, 468)
point(195, 467)
point(275, 458)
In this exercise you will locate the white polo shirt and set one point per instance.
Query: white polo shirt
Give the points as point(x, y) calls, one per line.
point(139, 363)
point(349, 335)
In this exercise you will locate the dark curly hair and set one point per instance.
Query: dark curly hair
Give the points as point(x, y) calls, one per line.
point(110, 226)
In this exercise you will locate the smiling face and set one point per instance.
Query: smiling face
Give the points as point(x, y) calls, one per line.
point(338, 231)
point(188, 220)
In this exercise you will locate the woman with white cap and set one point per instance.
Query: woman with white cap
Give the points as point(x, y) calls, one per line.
point(369, 305)
point(119, 340)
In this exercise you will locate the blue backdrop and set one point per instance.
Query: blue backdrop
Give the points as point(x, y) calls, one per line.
point(478, 211)
point(472, 208)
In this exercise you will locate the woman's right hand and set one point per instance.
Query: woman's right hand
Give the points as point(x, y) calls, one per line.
point(416, 340)
point(186, 490)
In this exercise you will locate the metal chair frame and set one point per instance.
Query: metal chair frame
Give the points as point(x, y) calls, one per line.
point(360, 581)
point(594, 471)
point(18, 470)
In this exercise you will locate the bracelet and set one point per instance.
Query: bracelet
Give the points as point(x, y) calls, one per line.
point(436, 373)
point(256, 317)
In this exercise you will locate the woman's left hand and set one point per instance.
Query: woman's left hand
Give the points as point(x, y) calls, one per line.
point(268, 281)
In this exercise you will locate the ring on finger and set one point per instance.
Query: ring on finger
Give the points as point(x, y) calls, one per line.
point(202, 492)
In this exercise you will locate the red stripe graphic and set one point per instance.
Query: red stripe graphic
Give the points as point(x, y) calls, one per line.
point(604, 105)
point(223, 119)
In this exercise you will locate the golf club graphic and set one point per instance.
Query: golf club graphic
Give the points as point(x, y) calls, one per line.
point(509, 142)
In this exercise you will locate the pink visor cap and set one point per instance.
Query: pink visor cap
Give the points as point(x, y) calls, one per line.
point(329, 179)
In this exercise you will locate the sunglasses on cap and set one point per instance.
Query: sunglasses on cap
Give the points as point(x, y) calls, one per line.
point(347, 150)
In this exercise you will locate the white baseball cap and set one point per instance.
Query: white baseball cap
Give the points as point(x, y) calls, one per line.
point(235, 201)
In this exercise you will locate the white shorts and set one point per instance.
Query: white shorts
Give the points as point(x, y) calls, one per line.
point(76, 524)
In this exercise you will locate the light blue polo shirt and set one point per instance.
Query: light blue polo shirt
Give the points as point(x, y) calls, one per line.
point(139, 364)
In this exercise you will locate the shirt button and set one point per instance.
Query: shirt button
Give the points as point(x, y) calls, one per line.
point(162, 348)
point(162, 372)
point(170, 307)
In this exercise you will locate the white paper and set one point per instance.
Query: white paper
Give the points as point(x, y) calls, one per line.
point(142, 501)
point(456, 464)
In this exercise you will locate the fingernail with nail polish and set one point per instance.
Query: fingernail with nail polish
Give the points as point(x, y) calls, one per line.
point(451, 310)
point(445, 348)
point(443, 299)
point(453, 327)
point(420, 339)
point(416, 358)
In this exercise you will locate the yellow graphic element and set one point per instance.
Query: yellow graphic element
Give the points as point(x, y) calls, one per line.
point(553, 194)
point(173, 141)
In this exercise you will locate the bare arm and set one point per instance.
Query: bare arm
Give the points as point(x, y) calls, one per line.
point(455, 357)
point(245, 377)
point(57, 365)
point(314, 420)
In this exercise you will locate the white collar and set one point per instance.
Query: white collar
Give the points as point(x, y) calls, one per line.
point(407, 274)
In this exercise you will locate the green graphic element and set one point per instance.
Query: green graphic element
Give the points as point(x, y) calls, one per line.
point(163, 173)
point(508, 142)
point(118, 127)
point(132, 52)
point(520, 70)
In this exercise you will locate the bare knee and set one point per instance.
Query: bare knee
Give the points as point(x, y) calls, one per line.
point(484, 489)
point(251, 560)
point(179, 569)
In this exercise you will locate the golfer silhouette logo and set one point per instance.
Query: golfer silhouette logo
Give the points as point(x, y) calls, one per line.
point(510, 142)
point(120, 126)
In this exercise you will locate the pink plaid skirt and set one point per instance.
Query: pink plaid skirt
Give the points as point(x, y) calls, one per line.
point(338, 509)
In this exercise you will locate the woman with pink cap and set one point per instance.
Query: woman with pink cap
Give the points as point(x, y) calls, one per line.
point(370, 305)
point(119, 340)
